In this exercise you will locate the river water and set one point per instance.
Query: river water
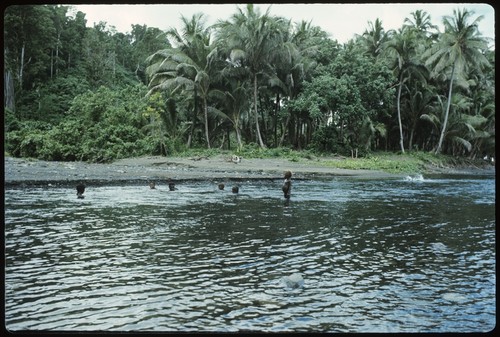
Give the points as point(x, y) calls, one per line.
point(409, 254)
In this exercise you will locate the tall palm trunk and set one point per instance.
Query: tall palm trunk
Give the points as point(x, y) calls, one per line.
point(443, 130)
point(410, 142)
point(275, 119)
point(21, 68)
point(193, 120)
point(8, 90)
point(399, 115)
point(238, 136)
point(205, 109)
point(284, 126)
point(261, 143)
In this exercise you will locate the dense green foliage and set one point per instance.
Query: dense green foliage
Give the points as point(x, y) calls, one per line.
point(254, 82)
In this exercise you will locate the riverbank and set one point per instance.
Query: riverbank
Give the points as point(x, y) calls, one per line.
point(19, 171)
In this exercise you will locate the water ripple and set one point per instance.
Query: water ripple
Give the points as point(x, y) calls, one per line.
point(375, 256)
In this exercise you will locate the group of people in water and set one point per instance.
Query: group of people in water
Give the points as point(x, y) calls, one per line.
point(286, 188)
point(171, 186)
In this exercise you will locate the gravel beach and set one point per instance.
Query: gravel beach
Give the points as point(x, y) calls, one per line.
point(141, 170)
point(19, 171)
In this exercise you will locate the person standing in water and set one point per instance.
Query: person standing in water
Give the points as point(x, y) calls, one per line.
point(171, 186)
point(80, 189)
point(287, 185)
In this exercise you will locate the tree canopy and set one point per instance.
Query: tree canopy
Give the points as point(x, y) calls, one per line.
point(73, 92)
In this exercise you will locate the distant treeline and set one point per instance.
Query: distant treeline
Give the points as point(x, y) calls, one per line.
point(252, 80)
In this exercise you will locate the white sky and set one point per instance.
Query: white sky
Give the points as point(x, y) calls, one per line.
point(342, 21)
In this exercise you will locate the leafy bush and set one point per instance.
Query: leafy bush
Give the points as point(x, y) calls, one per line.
point(32, 144)
point(326, 139)
point(26, 139)
point(101, 126)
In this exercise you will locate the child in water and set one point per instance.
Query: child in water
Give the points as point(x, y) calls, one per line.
point(287, 185)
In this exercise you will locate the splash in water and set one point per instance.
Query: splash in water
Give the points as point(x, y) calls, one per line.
point(416, 177)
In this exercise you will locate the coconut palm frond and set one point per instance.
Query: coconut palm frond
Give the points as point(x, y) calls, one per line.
point(431, 118)
point(216, 112)
point(461, 141)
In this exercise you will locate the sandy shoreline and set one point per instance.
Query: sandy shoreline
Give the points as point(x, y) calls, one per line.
point(19, 171)
point(135, 170)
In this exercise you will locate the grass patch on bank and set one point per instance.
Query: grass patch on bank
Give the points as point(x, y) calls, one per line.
point(410, 162)
point(252, 151)
point(387, 162)
point(391, 162)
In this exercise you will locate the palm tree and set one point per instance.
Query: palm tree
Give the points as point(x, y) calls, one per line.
point(235, 103)
point(251, 40)
point(483, 98)
point(421, 24)
point(190, 66)
point(374, 37)
point(296, 62)
point(420, 102)
point(459, 47)
point(402, 47)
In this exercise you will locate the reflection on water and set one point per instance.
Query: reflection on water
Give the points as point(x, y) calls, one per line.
point(402, 255)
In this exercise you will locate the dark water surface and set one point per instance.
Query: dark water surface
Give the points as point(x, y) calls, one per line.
point(393, 255)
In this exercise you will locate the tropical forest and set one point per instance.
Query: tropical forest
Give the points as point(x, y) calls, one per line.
point(251, 83)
